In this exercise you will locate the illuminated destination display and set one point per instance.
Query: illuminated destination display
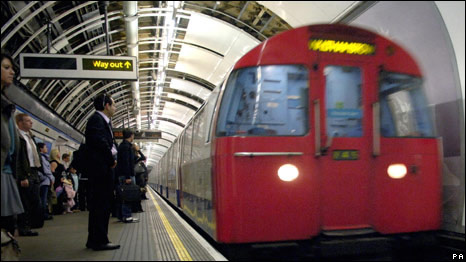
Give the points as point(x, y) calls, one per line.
point(107, 64)
point(342, 47)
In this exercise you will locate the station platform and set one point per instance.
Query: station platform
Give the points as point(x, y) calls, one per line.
point(160, 235)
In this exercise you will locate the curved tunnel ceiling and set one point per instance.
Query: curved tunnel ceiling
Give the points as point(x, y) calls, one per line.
point(184, 49)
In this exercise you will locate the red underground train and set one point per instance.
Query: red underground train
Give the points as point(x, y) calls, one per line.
point(323, 128)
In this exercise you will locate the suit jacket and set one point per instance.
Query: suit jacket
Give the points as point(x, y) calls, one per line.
point(125, 166)
point(24, 170)
point(99, 141)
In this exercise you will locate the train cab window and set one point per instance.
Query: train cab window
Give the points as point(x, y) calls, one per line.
point(267, 100)
point(403, 107)
point(343, 101)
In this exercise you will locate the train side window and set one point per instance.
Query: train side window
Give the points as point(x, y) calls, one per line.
point(188, 140)
point(343, 101)
point(267, 100)
point(403, 107)
point(210, 107)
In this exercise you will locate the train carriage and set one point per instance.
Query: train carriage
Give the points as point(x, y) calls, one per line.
point(322, 128)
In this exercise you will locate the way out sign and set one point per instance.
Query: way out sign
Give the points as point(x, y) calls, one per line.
point(107, 64)
point(58, 66)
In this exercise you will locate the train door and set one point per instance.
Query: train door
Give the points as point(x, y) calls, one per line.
point(345, 144)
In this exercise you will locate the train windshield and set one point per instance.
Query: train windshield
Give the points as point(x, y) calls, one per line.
point(267, 100)
point(403, 107)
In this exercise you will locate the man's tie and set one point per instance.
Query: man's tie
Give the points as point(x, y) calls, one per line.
point(114, 146)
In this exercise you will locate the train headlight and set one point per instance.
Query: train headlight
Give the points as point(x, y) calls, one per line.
point(397, 171)
point(288, 172)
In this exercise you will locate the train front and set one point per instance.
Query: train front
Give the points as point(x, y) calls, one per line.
point(324, 129)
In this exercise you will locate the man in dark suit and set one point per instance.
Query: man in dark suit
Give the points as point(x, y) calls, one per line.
point(125, 172)
point(101, 156)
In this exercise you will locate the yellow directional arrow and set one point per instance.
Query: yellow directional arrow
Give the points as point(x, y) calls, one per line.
point(127, 64)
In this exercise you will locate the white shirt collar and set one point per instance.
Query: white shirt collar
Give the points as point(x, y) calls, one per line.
point(104, 116)
point(24, 133)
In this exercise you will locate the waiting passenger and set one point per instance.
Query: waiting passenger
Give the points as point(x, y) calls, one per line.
point(11, 201)
point(47, 180)
point(66, 160)
point(57, 167)
point(73, 176)
point(140, 171)
point(101, 158)
point(125, 172)
point(28, 178)
point(58, 171)
point(68, 196)
point(82, 191)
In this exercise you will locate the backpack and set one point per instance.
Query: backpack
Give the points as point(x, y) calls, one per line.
point(79, 159)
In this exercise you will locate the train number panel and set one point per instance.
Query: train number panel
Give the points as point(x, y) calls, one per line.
point(345, 155)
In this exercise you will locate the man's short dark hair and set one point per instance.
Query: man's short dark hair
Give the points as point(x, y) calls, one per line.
point(40, 145)
point(101, 100)
point(65, 155)
point(127, 133)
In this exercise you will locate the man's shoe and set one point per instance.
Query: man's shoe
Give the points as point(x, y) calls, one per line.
point(108, 246)
point(131, 220)
point(29, 233)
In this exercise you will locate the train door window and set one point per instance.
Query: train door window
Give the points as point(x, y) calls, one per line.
point(265, 101)
point(343, 101)
point(403, 107)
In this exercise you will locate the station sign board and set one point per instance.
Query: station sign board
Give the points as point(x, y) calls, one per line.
point(138, 135)
point(80, 67)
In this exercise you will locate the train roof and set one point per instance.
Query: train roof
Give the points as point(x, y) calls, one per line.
point(293, 47)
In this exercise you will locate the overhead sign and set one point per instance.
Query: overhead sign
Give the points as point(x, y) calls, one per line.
point(142, 134)
point(107, 64)
point(335, 46)
point(58, 66)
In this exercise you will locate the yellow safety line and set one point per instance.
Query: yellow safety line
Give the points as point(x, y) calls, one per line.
point(179, 247)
